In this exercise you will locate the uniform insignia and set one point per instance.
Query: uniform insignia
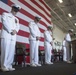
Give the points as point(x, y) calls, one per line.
point(9, 16)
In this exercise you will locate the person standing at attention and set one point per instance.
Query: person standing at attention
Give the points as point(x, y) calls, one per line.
point(34, 42)
point(48, 45)
point(68, 45)
point(64, 50)
point(10, 27)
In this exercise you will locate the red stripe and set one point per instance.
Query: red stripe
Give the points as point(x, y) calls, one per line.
point(23, 22)
point(35, 10)
point(41, 48)
point(45, 4)
point(23, 33)
point(42, 39)
point(33, 1)
point(1, 11)
point(41, 30)
point(0, 26)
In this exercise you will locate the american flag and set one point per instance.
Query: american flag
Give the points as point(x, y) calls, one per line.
point(30, 8)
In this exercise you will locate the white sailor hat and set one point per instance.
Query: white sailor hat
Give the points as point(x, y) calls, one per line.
point(71, 30)
point(37, 17)
point(16, 6)
point(50, 27)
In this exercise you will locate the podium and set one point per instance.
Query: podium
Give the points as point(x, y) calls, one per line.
point(74, 50)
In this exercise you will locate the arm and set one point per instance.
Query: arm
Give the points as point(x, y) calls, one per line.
point(47, 38)
point(17, 25)
point(68, 38)
point(5, 23)
point(32, 30)
point(38, 34)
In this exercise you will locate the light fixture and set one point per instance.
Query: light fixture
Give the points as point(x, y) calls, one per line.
point(61, 1)
point(69, 15)
point(75, 24)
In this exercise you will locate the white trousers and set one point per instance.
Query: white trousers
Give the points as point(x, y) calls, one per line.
point(64, 54)
point(48, 53)
point(7, 53)
point(34, 57)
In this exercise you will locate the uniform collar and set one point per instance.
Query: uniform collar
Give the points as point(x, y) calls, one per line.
point(11, 14)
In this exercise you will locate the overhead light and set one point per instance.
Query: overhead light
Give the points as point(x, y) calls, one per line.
point(61, 1)
point(69, 15)
point(75, 24)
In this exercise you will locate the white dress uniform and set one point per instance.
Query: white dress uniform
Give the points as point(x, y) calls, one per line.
point(7, 40)
point(34, 44)
point(48, 46)
point(68, 46)
point(64, 50)
point(68, 37)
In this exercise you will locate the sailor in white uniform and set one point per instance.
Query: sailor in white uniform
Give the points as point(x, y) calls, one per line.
point(64, 50)
point(48, 45)
point(10, 27)
point(34, 42)
point(68, 44)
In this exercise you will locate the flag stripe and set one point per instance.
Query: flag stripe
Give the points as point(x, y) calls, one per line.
point(43, 2)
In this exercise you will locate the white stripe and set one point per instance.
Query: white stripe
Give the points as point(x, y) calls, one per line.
point(24, 28)
point(22, 16)
point(5, 6)
point(29, 10)
point(0, 18)
point(41, 11)
point(26, 40)
point(43, 6)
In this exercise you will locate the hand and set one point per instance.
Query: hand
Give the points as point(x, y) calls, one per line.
point(37, 38)
point(13, 32)
point(16, 21)
point(51, 43)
